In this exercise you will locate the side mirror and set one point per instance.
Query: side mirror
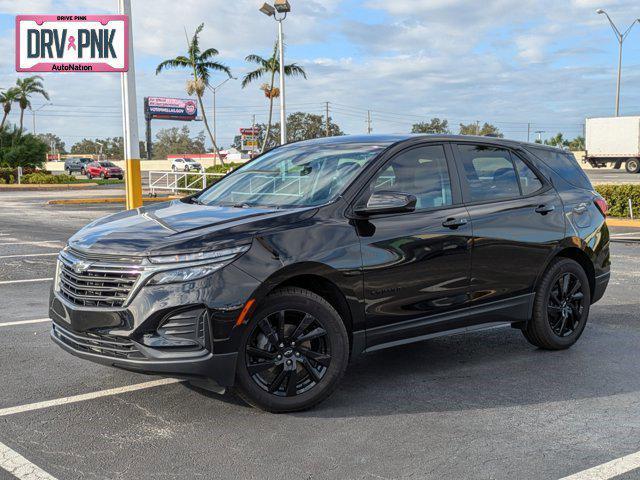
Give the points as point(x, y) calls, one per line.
point(381, 203)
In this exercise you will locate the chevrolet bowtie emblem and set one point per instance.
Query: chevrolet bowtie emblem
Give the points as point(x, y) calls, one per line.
point(81, 267)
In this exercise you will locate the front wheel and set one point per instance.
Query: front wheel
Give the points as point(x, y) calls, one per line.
point(89, 176)
point(561, 306)
point(633, 165)
point(293, 354)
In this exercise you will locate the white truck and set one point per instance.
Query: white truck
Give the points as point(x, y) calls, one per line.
point(613, 140)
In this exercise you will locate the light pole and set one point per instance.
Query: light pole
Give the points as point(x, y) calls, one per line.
point(214, 90)
point(621, 38)
point(280, 7)
point(33, 114)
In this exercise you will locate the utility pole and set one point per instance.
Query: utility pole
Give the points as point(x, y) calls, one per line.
point(133, 184)
point(528, 132)
point(327, 119)
point(477, 127)
point(369, 129)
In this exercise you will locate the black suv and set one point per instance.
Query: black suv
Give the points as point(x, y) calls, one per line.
point(76, 165)
point(315, 252)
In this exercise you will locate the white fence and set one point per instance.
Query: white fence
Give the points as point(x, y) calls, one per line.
point(176, 182)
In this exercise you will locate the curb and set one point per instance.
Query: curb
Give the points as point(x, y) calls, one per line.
point(48, 186)
point(86, 201)
point(623, 222)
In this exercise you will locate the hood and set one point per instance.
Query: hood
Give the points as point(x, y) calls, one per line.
point(177, 226)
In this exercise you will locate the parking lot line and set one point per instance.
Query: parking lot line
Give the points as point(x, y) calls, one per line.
point(20, 467)
point(29, 255)
point(609, 470)
point(34, 244)
point(24, 322)
point(31, 280)
point(86, 396)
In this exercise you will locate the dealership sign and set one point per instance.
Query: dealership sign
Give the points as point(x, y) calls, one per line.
point(249, 139)
point(170, 108)
point(72, 43)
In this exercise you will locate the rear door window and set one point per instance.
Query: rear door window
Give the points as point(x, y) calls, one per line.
point(529, 182)
point(489, 171)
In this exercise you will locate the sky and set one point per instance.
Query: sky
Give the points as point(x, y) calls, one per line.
point(524, 65)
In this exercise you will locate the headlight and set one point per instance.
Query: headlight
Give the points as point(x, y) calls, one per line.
point(215, 255)
point(184, 274)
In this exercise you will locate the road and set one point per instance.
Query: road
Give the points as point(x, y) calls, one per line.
point(485, 405)
point(609, 175)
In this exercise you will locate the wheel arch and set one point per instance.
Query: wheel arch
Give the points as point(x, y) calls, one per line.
point(578, 255)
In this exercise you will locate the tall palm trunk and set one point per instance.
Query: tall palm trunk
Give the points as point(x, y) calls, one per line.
point(206, 125)
point(21, 121)
point(266, 136)
point(4, 119)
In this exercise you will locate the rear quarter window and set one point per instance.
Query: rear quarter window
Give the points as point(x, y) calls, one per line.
point(564, 164)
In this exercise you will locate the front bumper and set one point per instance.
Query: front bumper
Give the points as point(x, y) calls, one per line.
point(220, 368)
point(119, 337)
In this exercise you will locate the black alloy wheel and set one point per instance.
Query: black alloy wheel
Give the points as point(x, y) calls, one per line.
point(560, 307)
point(565, 307)
point(293, 353)
point(288, 353)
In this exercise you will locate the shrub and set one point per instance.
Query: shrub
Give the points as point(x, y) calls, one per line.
point(617, 196)
point(44, 178)
point(9, 175)
point(26, 150)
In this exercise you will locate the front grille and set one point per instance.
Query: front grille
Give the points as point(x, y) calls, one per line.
point(105, 345)
point(101, 284)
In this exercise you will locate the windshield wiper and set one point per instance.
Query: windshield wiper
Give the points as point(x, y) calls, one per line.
point(197, 201)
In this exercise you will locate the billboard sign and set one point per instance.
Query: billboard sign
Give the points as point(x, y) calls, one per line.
point(249, 139)
point(72, 43)
point(170, 108)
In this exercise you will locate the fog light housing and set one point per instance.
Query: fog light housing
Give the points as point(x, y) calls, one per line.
point(188, 328)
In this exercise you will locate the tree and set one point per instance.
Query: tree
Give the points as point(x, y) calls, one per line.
point(577, 144)
point(21, 151)
point(54, 143)
point(434, 126)
point(271, 67)
point(301, 126)
point(486, 130)
point(201, 64)
point(177, 141)
point(557, 140)
point(7, 98)
point(26, 87)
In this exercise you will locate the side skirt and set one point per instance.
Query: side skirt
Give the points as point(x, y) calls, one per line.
point(514, 311)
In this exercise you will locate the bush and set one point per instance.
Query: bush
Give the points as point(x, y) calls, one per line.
point(617, 196)
point(10, 175)
point(44, 178)
point(25, 150)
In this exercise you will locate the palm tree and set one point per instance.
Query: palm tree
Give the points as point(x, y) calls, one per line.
point(201, 64)
point(6, 99)
point(270, 66)
point(25, 87)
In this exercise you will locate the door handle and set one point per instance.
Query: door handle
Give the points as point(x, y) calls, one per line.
point(454, 223)
point(544, 209)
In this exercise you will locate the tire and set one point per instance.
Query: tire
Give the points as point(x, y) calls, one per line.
point(69, 171)
point(89, 175)
point(83, 172)
point(331, 348)
point(103, 176)
point(559, 316)
point(173, 167)
point(633, 165)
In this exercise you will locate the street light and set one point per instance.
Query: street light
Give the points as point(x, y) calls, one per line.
point(621, 38)
point(214, 90)
point(33, 114)
point(283, 7)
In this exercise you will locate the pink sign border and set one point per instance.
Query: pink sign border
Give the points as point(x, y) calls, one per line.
point(96, 67)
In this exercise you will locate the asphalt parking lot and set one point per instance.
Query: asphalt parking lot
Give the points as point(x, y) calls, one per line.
point(485, 405)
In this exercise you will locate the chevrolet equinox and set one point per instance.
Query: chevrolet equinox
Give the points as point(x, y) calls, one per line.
point(270, 280)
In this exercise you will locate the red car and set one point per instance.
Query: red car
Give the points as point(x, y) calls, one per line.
point(104, 170)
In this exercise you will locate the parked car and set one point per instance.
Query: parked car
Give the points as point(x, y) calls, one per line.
point(76, 165)
point(104, 170)
point(185, 165)
point(316, 252)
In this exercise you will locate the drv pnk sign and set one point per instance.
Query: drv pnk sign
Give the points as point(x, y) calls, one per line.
point(72, 43)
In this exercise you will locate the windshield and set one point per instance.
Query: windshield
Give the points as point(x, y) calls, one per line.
point(107, 164)
point(298, 175)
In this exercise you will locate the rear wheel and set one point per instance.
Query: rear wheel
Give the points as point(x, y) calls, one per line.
point(293, 354)
point(561, 306)
point(633, 165)
point(89, 176)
